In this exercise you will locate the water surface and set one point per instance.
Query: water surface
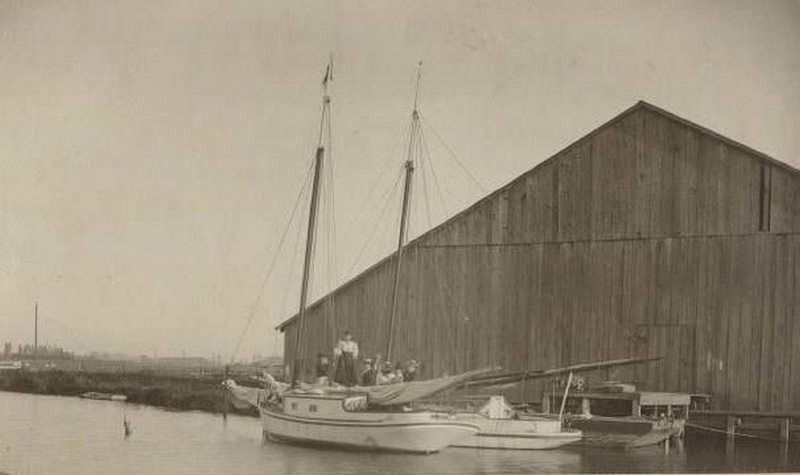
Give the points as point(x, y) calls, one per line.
point(61, 435)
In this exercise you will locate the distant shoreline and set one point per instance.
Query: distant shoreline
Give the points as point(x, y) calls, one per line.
point(181, 393)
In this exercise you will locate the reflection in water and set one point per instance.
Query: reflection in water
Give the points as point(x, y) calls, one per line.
point(48, 434)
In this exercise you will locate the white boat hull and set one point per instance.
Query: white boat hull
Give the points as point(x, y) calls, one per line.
point(396, 432)
point(513, 434)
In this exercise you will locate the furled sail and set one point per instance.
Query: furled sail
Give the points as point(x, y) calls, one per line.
point(403, 393)
point(243, 395)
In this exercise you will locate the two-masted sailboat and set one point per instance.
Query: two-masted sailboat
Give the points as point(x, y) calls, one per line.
point(375, 418)
point(383, 417)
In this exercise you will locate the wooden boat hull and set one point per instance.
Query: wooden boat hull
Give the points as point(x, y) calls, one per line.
point(397, 432)
point(623, 432)
point(516, 434)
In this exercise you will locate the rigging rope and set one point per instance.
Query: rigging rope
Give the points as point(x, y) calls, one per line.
point(435, 177)
point(332, 271)
point(271, 267)
point(293, 268)
point(735, 434)
point(378, 178)
point(447, 295)
point(329, 215)
point(453, 155)
point(387, 200)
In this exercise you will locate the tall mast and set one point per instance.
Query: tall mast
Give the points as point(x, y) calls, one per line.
point(312, 224)
point(401, 240)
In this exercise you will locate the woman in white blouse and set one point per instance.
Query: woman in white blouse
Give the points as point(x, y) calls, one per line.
point(346, 353)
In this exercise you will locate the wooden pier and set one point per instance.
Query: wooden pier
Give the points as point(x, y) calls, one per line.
point(767, 425)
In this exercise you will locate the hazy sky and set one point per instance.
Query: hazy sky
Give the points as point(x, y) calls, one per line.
point(151, 151)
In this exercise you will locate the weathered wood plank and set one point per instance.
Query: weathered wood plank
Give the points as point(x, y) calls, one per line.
point(649, 221)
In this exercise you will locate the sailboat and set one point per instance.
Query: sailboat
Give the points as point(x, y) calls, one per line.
point(382, 417)
point(498, 425)
point(370, 418)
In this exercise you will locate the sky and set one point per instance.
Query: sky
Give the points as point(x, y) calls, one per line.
point(151, 152)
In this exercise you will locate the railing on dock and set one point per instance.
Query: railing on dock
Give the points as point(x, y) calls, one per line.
point(736, 423)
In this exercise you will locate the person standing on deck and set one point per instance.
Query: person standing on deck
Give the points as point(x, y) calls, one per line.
point(386, 374)
point(410, 373)
point(346, 353)
point(368, 374)
point(322, 369)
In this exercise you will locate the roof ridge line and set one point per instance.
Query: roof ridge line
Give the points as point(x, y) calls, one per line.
point(641, 103)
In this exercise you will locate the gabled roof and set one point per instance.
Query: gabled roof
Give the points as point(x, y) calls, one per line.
point(638, 106)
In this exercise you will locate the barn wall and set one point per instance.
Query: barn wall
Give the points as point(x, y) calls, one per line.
point(647, 237)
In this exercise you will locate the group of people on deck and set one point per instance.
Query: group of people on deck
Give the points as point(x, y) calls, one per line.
point(374, 371)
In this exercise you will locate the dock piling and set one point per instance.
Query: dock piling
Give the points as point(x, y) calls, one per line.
point(730, 427)
point(785, 428)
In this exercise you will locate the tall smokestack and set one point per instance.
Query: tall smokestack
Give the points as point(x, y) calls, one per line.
point(36, 329)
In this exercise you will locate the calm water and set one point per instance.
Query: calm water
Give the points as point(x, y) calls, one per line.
point(60, 435)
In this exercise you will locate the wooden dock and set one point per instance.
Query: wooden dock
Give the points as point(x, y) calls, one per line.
point(775, 425)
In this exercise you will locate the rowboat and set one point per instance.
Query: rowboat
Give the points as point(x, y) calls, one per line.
point(500, 427)
point(104, 396)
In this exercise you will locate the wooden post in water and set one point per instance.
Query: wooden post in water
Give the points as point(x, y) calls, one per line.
point(785, 429)
point(35, 329)
point(785, 436)
point(730, 427)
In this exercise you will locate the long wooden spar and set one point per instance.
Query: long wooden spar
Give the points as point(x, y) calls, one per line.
point(401, 240)
point(497, 379)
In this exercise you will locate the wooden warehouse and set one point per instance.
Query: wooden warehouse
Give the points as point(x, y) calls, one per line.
point(649, 236)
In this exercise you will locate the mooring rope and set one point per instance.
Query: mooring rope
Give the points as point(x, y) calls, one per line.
point(735, 434)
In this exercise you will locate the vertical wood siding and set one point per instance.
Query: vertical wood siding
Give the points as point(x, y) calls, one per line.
point(646, 237)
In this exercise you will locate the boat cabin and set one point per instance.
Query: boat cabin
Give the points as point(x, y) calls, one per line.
point(648, 404)
point(323, 405)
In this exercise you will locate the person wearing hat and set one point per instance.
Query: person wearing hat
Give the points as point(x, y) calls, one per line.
point(368, 374)
point(346, 353)
point(323, 368)
point(410, 372)
point(386, 375)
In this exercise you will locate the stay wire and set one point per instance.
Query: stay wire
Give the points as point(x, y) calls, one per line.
point(436, 182)
point(736, 434)
point(333, 273)
point(271, 267)
point(387, 200)
point(454, 156)
point(296, 258)
point(450, 337)
point(439, 280)
point(367, 217)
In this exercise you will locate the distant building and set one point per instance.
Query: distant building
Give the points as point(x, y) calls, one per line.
point(649, 236)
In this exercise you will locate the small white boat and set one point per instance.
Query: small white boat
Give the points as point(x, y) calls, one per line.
point(104, 396)
point(499, 428)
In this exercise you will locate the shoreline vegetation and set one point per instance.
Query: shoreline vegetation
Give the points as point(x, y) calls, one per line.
point(167, 391)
